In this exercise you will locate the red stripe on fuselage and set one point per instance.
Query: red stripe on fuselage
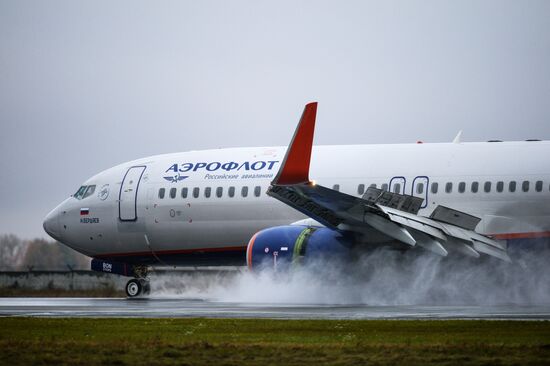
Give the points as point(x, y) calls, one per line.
point(533, 235)
point(178, 251)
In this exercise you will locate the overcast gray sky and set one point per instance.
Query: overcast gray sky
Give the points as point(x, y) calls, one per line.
point(85, 85)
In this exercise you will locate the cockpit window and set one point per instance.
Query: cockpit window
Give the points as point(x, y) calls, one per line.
point(84, 191)
point(78, 195)
point(89, 191)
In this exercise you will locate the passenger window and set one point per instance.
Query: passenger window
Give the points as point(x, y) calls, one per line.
point(435, 187)
point(244, 191)
point(474, 187)
point(231, 192)
point(184, 192)
point(360, 189)
point(461, 187)
point(397, 188)
point(219, 192)
point(257, 191)
point(487, 187)
point(207, 192)
point(196, 192)
point(500, 186)
point(161, 193)
point(91, 190)
point(172, 192)
point(538, 186)
point(449, 187)
point(372, 185)
point(525, 186)
point(384, 187)
point(420, 188)
point(512, 186)
point(336, 187)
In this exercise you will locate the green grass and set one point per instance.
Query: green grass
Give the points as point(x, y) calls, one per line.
point(50, 341)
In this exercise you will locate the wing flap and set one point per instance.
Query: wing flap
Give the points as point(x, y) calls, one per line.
point(429, 243)
point(458, 246)
point(391, 214)
point(492, 251)
point(459, 239)
point(414, 221)
point(389, 228)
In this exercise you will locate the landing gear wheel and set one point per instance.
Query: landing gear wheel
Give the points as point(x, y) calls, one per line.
point(134, 288)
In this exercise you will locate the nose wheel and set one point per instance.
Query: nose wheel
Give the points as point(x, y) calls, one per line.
point(137, 287)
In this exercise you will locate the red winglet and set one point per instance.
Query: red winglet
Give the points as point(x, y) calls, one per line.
point(295, 167)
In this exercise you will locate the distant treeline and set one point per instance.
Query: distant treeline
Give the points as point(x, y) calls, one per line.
point(39, 255)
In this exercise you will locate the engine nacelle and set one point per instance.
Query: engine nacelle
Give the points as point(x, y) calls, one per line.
point(292, 246)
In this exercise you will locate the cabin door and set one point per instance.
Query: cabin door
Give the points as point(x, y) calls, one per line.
point(397, 185)
point(420, 189)
point(127, 199)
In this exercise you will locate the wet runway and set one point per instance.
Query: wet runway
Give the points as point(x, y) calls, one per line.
point(179, 307)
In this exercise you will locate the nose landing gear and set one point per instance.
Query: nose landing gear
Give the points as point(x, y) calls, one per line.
point(137, 287)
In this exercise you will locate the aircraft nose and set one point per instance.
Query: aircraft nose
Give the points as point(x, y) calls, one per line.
point(51, 224)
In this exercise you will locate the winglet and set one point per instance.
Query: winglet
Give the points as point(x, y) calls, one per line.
point(295, 167)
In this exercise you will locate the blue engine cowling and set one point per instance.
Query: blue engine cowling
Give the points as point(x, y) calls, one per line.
point(291, 246)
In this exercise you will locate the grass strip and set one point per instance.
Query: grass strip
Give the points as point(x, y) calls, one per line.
point(197, 341)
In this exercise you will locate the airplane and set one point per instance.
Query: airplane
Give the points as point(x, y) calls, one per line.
point(258, 207)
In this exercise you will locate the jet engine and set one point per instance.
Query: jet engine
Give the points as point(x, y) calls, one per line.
point(293, 246)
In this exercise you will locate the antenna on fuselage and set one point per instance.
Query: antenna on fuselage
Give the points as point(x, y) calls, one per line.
point(458, 138)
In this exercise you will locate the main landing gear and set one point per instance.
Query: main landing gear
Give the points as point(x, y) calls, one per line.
point(140, 286)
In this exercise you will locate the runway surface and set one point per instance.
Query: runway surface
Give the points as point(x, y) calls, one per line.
point(178, 307)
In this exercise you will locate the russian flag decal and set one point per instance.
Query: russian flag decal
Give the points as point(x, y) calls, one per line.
point(84, 211)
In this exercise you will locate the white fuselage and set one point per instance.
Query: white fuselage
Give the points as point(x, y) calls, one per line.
point(125, 215)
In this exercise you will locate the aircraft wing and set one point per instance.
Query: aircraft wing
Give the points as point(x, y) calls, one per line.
point(393, 215)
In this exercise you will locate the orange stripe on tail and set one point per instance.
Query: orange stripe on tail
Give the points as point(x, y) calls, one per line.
point(249, 251)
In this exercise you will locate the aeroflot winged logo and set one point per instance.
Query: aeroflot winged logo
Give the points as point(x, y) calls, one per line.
point(228, 170)
point(175, 178)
